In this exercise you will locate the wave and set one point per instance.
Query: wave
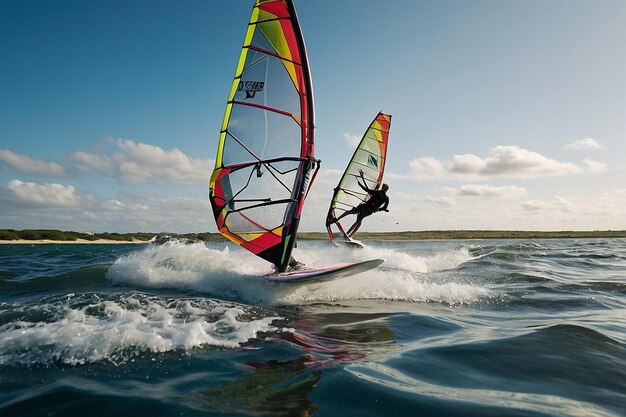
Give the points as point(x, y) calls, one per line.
point(500, 401)
point(78, 329)
point(91, 277)
point(230, 273)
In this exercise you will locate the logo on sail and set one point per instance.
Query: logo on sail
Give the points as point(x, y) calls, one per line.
point(250, 88)
point(373, 161)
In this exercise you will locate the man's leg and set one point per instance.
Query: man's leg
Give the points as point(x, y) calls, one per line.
point(353, 210)
point(353, 229)
point(294, 265)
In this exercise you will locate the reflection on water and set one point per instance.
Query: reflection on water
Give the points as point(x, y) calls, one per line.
point(274, 387)
point(348, 336)
point(282, 387)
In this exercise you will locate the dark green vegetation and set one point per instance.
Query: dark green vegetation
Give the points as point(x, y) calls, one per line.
point(58, 235)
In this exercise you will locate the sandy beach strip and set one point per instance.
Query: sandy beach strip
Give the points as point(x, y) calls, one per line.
point(62, 242)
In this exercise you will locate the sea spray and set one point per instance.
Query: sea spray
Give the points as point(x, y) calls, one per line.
point(89, 328)
point(227, 271)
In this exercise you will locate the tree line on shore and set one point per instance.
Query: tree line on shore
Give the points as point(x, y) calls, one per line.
point(70, 236)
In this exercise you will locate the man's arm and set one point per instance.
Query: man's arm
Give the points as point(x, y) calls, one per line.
point(364, 185)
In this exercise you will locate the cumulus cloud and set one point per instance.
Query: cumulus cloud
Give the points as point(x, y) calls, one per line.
point(22, 193)
point(583, 144)
point(351, 140)
point(86, 162)
point(557, 204)
point(605, 211)
point(137, 163)
point(31, 205)
point(412, 199)
point(484, 190)
point(503, 161)
point(327, 177)
point(595, 167)
point(534, 205)
point(28, 165)
point(426, 168)
point(440, 200)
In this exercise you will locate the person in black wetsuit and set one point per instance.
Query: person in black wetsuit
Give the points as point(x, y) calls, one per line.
point(377, 201)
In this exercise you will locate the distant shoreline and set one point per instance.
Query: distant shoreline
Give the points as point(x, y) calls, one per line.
point(10, 236)
point(64, 242)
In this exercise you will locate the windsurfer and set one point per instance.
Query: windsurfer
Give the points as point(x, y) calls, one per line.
point(377, 201)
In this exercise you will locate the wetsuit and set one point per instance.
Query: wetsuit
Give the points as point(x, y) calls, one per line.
point(378, 201)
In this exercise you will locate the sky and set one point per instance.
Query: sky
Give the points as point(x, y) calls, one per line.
point(507, 115)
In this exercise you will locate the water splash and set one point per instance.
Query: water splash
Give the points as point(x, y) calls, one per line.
point(229, 272)
point(89, 328)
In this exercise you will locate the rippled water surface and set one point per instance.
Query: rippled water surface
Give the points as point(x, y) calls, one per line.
point(442, 328)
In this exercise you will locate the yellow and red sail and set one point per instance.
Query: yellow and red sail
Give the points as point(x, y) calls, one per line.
point(265, 150)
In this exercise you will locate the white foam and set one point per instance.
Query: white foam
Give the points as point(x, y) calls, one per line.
point(118, 330)
point(389, 285)
point(227, 271)
point(222, 272)
point(446, 259)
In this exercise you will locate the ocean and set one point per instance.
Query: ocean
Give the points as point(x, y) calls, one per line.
point(442, 328)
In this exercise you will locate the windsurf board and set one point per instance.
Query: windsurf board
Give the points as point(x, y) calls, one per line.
point(324, 274)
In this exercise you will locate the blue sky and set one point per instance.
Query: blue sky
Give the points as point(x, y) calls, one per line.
point(506, 114)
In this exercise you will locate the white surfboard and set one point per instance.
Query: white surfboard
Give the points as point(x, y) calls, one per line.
point(324, 274)
point(354, 244)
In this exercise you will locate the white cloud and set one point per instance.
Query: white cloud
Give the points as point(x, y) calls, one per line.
point(607, 205)
point(327, 178)
point(137, 163)
point(351, 140)
point(534, 205)
point(504, 161)
point(513, 161)
point(425, 168)
point(30, 205)
point(440, 200)
point(564, 204)
point(44, 195)
point(87, 162)
point(432, 211)
point(152, 213)
point(28, 165)
point(484, 190)
point(468, 164)
point(558, 204)
point(582, 144)
point(595, 167)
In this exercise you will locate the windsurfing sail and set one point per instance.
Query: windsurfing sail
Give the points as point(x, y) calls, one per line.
point(265, 151)
point(369, 156)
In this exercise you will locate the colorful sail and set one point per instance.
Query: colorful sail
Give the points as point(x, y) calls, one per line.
point(369, 156)
point(265, 151)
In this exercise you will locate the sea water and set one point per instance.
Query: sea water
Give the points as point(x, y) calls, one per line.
point(442, 328)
